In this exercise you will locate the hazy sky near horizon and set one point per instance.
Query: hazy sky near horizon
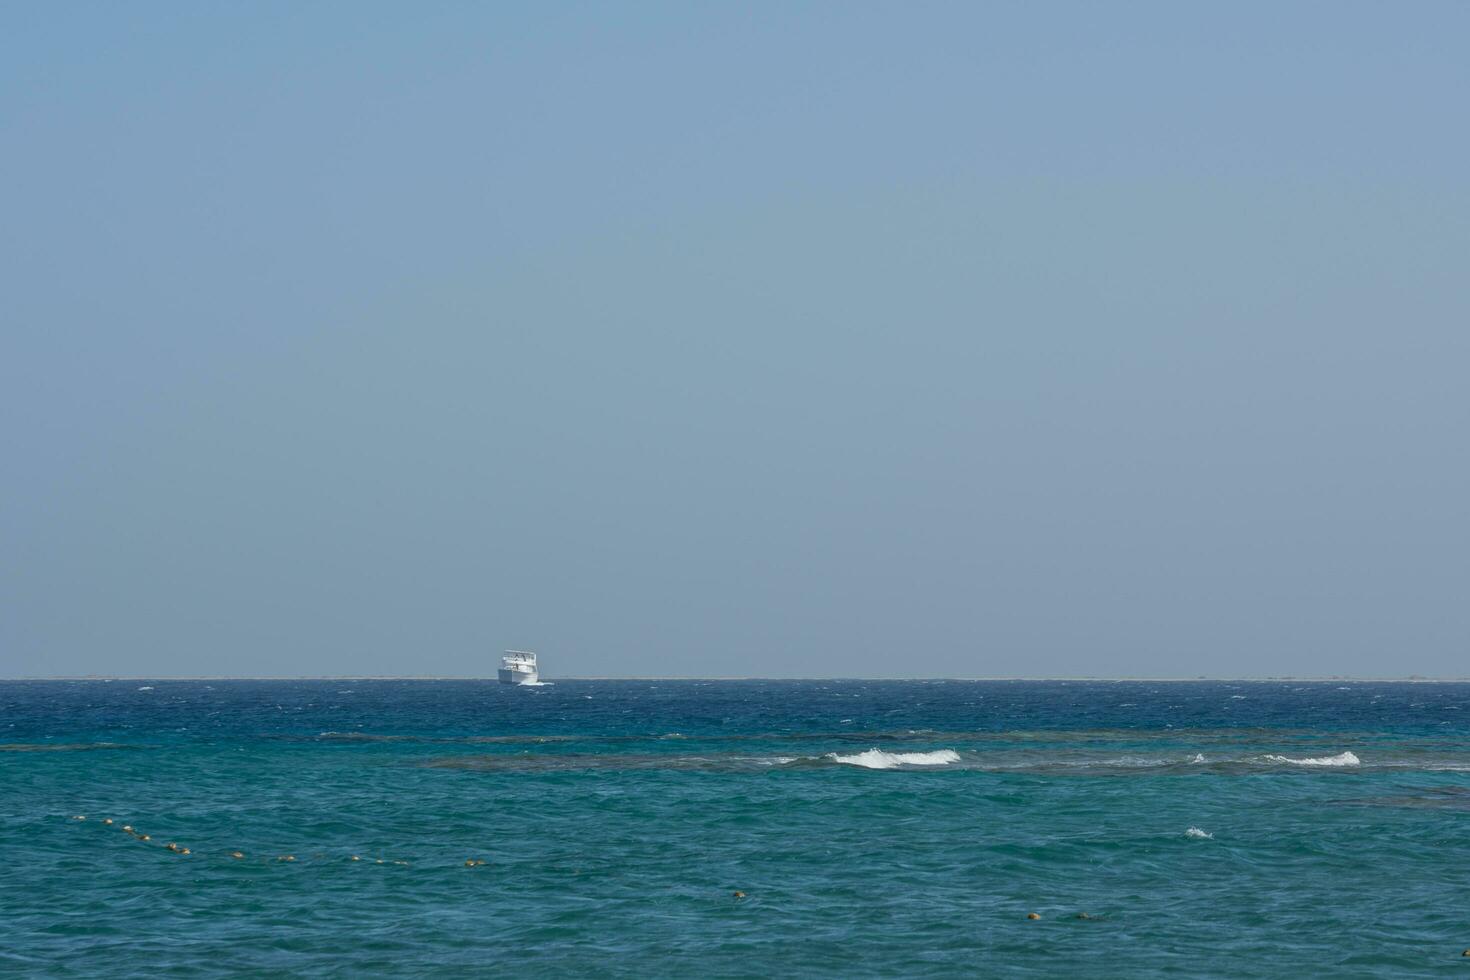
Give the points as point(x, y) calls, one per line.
point(778, 339)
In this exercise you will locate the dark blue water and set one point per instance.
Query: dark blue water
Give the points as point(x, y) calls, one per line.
point(896, 829)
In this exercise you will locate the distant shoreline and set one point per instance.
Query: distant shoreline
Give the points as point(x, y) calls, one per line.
point(1412, 679)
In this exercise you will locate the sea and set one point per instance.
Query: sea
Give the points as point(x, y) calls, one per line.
point(687, 828)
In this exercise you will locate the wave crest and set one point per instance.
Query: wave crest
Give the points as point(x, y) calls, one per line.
point(1341, 759)
point(877, 759)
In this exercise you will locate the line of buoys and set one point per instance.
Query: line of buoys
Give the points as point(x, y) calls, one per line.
point(128, 829)
point(176, 848)
point(1034, 916)
point(469, 863)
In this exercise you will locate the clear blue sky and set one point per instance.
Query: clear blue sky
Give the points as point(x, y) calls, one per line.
point(776, 339)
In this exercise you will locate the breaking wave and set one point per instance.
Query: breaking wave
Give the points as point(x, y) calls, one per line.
point(878, 759)
point(1341, 759)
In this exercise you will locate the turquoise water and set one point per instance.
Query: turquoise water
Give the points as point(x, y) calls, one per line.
point(894, 829)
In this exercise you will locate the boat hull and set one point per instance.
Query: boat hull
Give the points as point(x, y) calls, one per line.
point(517, 676)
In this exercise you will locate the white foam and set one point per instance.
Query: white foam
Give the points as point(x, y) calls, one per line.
point(1131, 762)
point(1199, 757)
point(875, 759)
point(1341, 759)
point(1197, 834)
point(145, 688)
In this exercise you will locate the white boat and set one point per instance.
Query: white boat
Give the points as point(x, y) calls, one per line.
point(518, 667)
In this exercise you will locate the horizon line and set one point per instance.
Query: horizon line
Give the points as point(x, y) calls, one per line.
point(1265, 678)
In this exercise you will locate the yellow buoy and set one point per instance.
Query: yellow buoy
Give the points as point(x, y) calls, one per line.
point(79, 817)
point(739, 894)
point(236, 855)
point(185, 851)
point(107, 820)
point(1032, 915)
point(286, 857)
point(128, 827)
point(144, 837)
point(355, 858)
